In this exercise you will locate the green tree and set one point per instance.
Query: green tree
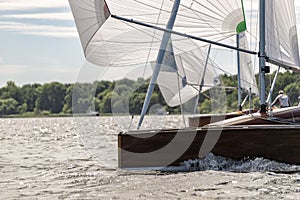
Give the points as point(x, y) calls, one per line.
point(105, 104)
point(8, 106)
point(29, 94)
point(11, 91)
point(22, 108)
point(67, 108)
point(51, 97)
point(83, 97)
point(293, 91)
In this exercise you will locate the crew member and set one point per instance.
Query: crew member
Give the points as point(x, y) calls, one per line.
point(282, 99)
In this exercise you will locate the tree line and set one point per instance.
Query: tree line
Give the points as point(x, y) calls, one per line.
point(106, 97)
point(62, 99)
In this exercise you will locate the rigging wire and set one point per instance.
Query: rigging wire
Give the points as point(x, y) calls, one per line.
point(155, 31)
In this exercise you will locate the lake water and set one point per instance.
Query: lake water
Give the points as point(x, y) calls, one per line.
point(75, 158)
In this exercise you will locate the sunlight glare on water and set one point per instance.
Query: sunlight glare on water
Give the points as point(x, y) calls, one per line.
point(45, 158)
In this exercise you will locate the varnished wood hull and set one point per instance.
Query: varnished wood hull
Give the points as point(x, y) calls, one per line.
point(279, 143)
point(241, 137)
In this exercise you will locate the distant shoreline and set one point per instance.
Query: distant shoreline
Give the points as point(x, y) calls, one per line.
point(30, 115)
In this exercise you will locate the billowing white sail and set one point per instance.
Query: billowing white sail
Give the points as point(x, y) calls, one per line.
point(89, 17)
point(281, 34)
point(247, 73)
point(116, 43)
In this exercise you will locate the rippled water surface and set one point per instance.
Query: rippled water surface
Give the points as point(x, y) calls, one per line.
point(76, 158)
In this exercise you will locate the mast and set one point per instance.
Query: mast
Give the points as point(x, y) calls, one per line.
point(239, 72)
point(159, 60)
point(262, 56)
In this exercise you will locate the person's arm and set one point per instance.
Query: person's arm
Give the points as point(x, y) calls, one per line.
point(275, 101)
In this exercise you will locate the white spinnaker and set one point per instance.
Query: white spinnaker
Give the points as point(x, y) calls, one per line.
point(247, 74)
point(109, 42)
point(281, 34)
point(116, 43)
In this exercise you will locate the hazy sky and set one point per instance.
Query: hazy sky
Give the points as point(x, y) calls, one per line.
point(39, 42)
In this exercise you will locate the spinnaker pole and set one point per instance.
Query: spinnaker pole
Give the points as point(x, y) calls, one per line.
point(182, 34)
point(159, 60)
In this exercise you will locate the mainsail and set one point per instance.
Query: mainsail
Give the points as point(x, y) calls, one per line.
point(281, 34)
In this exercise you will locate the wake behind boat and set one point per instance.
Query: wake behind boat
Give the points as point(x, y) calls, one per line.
point(169, 36)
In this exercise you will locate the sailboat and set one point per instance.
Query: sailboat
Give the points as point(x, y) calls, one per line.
point(168, 36)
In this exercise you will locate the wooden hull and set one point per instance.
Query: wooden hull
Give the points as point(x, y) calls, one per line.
point(240, 137)
point(277, 142)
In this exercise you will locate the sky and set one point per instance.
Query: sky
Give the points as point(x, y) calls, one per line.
point(39, 42)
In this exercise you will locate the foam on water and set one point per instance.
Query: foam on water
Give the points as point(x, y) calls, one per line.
point(218, 163)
